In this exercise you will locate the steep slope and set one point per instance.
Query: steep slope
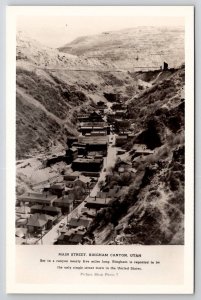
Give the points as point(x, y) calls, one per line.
point(151, 208)
point(134, 48)
point(51, 88)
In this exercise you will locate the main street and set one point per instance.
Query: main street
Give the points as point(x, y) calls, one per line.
point(109, 161)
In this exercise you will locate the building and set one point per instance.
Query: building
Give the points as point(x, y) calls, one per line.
point(71, 237)
point(95, 117)
point(74, 181)
point(83, 117)
point(95, 143)
point(57, 189)
point(36, 198)
point(81, 148)
point(87, 164)
point(76, 239)
point(99, 133)
point(141, 152)
point(65, 203)
point(97, 203)
point(49, 210)
point(77, 222)
point(71, 140)
point(70, 180)
point(39, 222)
point(94, 126)
point(96, 130)
point(71, 154)
point(120, 113)
point(121, 140)
point(165, 66)
point(121, 125)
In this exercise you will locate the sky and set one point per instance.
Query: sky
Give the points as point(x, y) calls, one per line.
point(56, 31)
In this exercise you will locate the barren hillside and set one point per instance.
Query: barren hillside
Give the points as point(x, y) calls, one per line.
point(51, 88)
point(132, 48)
point(150, 209)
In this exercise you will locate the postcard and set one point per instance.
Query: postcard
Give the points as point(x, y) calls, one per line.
point(100, 149)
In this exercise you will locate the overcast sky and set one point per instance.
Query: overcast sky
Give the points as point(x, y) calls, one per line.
point(54, 31)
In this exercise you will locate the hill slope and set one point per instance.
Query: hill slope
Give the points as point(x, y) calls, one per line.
point(133, 48)
point(150, 209)
point(51, 88)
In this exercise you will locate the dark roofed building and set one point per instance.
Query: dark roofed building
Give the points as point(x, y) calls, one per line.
point(39, 222)
point(77, 222)
point(121, 140)
point(71, 237)
point(71, 140)
point(71, 154)
point(87, 164)
point(65, 203)
point(57, 189)
point(76, 238)
point(37, 198)
point(97, 203)
point(95, 143)
point(49, 210)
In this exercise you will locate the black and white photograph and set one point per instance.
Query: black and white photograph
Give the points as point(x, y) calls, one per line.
point(100, 113)
point(100, 149)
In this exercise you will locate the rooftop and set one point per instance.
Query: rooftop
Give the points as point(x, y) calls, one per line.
point(46, 208)
point(38, 220)
point(76, 238)
point(57, 186)
point(93, 139)
point(88, 160)
point(70, 177)
point(65, 200)
point(79, 222)
point(36, 197)
point(144, 151)
point(98, 200)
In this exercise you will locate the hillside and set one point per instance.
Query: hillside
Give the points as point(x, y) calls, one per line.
point(51, 88)
point(150, 209)
point(133, 48)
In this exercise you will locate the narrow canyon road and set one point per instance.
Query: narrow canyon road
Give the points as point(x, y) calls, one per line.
point(109, 161)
